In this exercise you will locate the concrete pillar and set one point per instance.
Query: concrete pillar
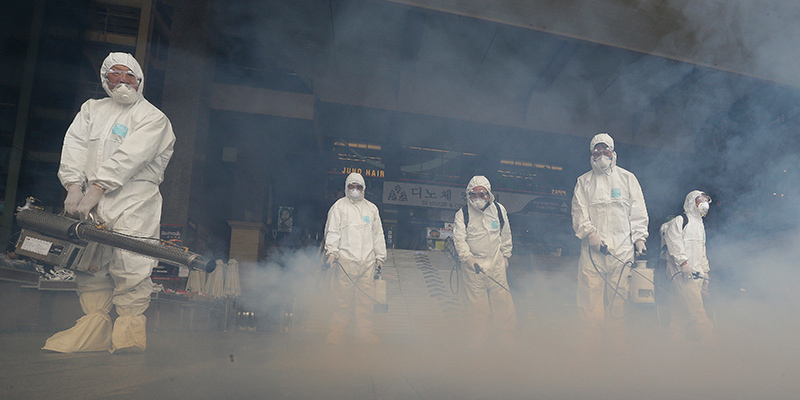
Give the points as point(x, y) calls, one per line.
point(21, 127)
point(187, 89)
point(251, 188)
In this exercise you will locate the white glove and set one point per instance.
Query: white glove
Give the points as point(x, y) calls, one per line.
point(686, 271)
point(473, 264)
point(641, 249)
point(379, 263)
point(89, 200)
point(74, 197)
point(331, 259)
point(594, 241)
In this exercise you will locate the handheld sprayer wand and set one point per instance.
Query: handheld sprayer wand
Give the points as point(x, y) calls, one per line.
point(695, 275)
point(478, 270)
point(604, 250)
point(336, 263)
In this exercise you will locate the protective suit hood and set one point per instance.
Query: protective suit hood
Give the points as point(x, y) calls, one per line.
point(602, 138)
point(480, 180)
point(355, 178)
point(127, 60)
point(689, 206)
point(609, 141)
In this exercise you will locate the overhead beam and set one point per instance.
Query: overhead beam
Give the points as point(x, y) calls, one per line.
point(262, 101)
point(701, 33)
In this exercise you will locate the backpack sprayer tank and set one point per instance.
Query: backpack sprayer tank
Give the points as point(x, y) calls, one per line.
point(382, 305)
point(641, 283)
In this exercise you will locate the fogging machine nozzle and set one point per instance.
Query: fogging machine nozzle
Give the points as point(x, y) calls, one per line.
point(57, 233)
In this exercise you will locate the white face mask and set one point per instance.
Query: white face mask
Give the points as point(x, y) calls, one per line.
point(480, 204)
point(603, 162)
point(355, 194)
point(124, 94)
point(703, 207)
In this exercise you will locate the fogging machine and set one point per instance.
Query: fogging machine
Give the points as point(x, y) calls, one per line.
point(60, 241)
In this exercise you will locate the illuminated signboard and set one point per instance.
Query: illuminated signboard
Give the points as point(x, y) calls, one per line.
point(437, 196)
point(414, 194)
point(365, 172)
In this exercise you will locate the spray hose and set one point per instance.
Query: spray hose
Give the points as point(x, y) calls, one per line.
point(456, 270)
point(478, 270)
point(604, 250)
point(695, 275)
point(356, 285)
point(452, 255)
point(625, 264)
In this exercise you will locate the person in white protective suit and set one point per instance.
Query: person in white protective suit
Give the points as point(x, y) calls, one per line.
point(608, 209)
point(485, 240)
point(112, 161)
point(683, 244)
point(355, 247)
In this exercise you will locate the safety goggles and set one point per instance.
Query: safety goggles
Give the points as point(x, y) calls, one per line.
point(597, 152)
point(128, 77)
point(481, 194)
point(703, 197)
point(355, 186)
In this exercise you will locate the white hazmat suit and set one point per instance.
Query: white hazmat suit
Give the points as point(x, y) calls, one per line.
point(353, 237)
point(485, 242)
point(607, 202)
point(685, 242)
point(121, 145)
